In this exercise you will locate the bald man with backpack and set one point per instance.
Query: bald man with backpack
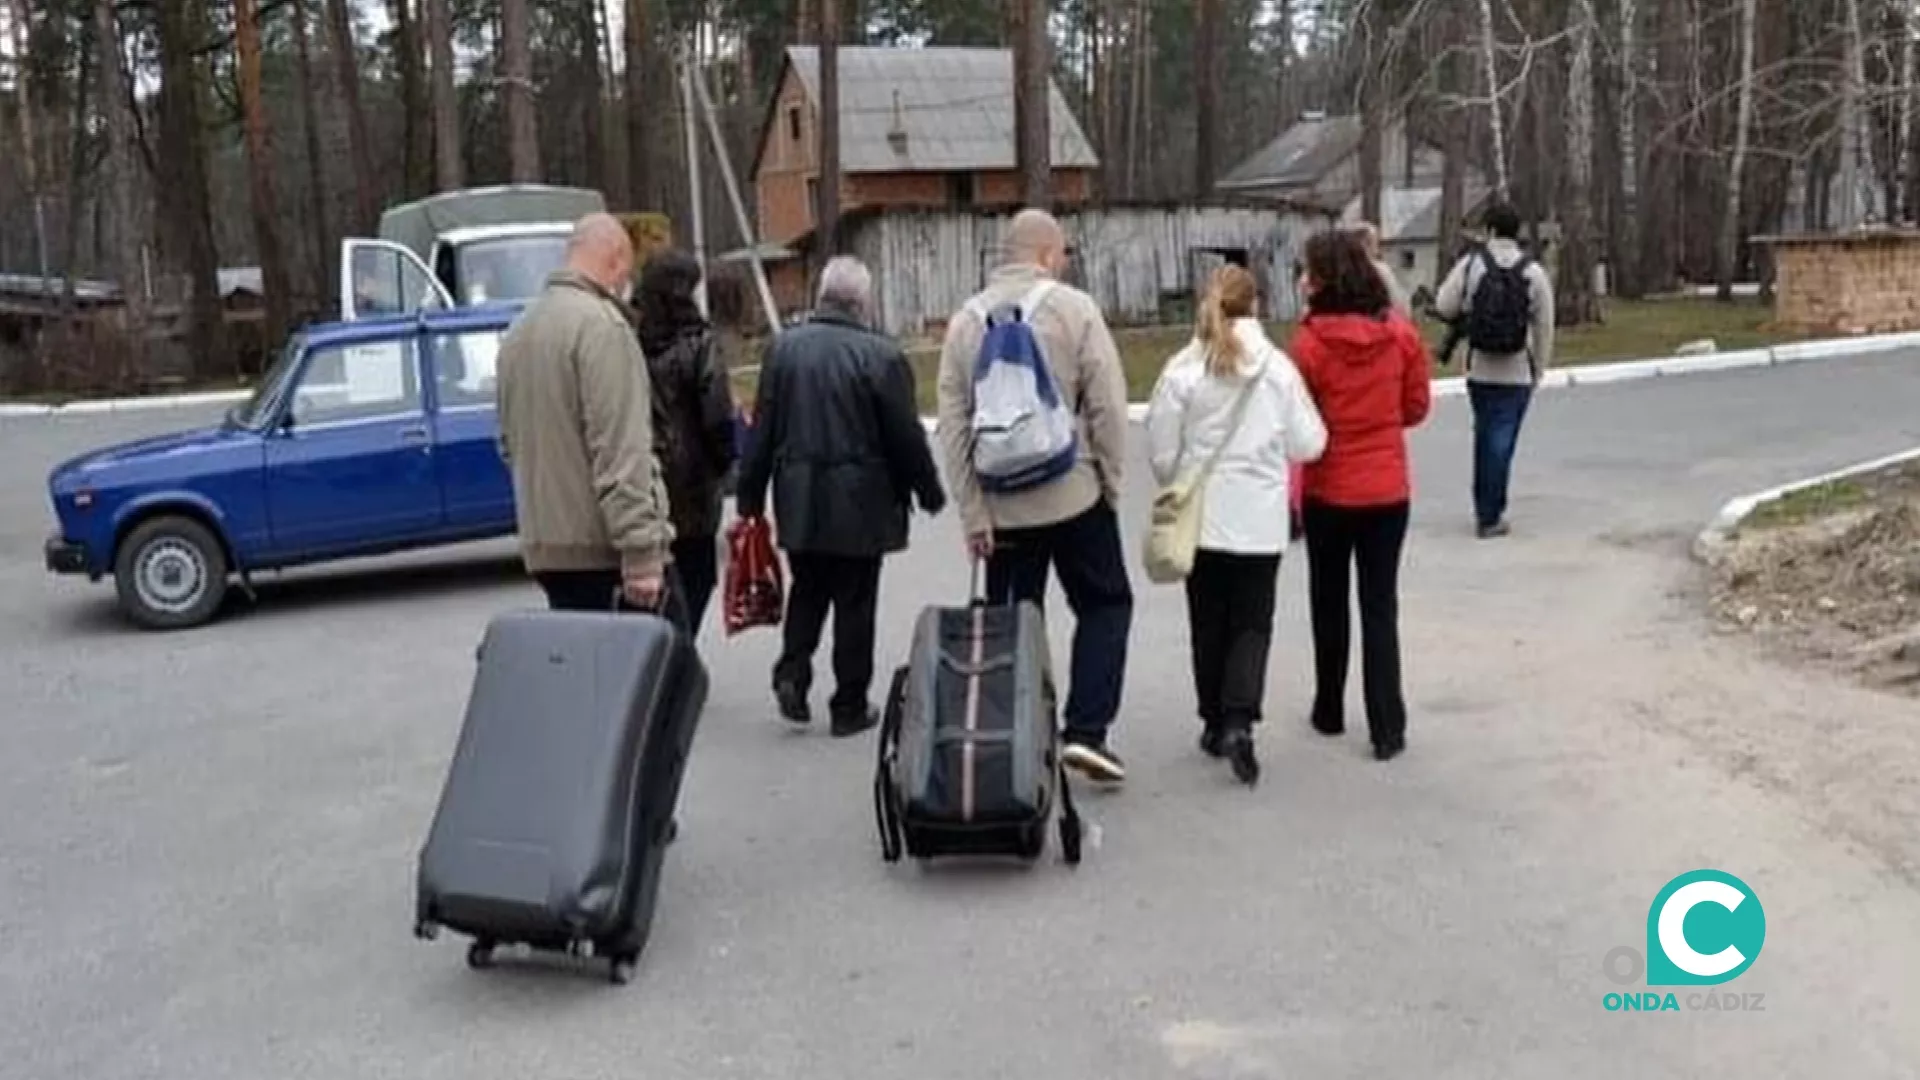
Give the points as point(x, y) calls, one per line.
point(1501, 299)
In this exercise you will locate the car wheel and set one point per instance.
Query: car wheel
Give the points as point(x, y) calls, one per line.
point(171, 573)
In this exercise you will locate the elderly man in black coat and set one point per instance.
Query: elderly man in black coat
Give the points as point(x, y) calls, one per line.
point(838, 438)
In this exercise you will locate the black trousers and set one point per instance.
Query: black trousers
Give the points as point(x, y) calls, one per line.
point(1087, 555)
point(1230, 601)
point(850, 586)
point(696, 561)
point(599, 590)
point(1343, 542)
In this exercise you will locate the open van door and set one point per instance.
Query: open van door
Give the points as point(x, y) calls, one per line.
point(380, 277)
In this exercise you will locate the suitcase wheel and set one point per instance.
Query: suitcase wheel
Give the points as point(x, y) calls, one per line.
point(480, 955)
point(1070, 836)
point(620, 972)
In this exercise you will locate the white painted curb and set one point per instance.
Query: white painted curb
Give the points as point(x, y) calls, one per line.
point(1587, 375)
point(1712, 541)
point(15, 410)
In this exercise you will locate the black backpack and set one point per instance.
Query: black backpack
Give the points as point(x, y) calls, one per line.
point(1501, 310)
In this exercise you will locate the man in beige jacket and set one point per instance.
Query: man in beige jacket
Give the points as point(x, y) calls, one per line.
point(576, 428)
point(1069, 524)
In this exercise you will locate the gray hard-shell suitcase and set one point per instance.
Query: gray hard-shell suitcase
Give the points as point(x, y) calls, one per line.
point(969, 755)
point(558, 805)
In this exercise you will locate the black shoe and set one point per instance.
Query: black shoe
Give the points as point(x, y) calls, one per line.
point(1095, 762)
point(1238, 745)
point(1329, 725)
point(1494, 531)
point(846, 725)
point(792, 702)
point(1212, 741)
point(1387, 751)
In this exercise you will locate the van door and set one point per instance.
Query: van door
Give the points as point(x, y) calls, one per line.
point(382, 278)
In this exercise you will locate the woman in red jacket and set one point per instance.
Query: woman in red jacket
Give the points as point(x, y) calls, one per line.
point(1366, 368)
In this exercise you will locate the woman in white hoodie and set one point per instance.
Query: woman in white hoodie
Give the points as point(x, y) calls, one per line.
point(1244, 531)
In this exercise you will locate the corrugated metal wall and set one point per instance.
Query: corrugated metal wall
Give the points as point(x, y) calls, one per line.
point(1132, 260)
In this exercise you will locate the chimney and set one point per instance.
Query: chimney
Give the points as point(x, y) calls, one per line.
point(897, 134)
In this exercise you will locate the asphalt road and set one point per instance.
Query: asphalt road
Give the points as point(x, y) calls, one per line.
point(207, 838)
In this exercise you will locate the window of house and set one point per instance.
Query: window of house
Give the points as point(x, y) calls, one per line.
point(959, 189)
point(793, 124)
point(813, 195)
point(1407, 260)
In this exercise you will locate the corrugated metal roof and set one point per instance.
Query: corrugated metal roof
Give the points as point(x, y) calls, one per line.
point(954, 106)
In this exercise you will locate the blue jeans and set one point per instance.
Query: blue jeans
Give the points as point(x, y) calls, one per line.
point(1086, 553)
point(1498, 411)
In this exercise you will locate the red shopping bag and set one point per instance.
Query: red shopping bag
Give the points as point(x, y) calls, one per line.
point(756, 588)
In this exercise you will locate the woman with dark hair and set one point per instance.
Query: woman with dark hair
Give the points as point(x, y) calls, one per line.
point(1367, 370)
point(693, 419)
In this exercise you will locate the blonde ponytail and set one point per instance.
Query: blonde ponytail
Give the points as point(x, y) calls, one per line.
point(1230, 295)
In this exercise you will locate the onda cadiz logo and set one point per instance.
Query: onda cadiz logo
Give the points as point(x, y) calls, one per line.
point(1704, 928)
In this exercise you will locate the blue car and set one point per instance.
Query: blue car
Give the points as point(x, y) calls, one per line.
point(364, 438)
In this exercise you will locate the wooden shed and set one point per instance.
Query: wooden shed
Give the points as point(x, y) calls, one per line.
point(1142, 263)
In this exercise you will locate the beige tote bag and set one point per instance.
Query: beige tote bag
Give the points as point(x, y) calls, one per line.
point(1179, 508)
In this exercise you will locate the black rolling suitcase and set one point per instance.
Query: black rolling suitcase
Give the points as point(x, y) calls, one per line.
point(559, 803)
point(969, 757)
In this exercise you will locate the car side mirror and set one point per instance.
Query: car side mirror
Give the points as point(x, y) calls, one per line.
point(286, 421)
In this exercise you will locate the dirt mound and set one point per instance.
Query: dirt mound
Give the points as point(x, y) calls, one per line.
point(1838, 587)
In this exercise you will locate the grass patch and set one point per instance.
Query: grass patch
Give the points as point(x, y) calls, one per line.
point(1808, 504)
point(1634, 330)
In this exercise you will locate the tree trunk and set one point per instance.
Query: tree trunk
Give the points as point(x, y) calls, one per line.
point(1283, 64)
point(640, 192)
point(29, 143)
point(1027, 22)
point(592, 93)
point(266, 204)
point(123, 164)
point(76, 169)
point(1206, 92)
point(1856, 184)
point(1137, 94)
point(346, 69)
point(1577, 305)
point(449, 164)
point(1490, 72)
point(1456, 129)
point(321, 232)
point(1624, 265)
point(181, 27)
point(1906, 152)
point(416, 160)
point(516, 61)
point(1729, 247)
point(826, 212)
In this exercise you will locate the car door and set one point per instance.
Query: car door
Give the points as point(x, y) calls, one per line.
point(382, 278)
point(350, 465)
point(475, 485)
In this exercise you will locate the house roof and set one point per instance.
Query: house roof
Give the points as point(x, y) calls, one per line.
point(954, 106)
point(1300, 156)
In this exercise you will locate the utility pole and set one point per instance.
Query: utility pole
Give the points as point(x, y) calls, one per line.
point(740, 218)
point(699, 223)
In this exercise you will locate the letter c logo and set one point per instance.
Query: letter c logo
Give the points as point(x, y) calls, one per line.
point(1726, 918)
point(1673, 932)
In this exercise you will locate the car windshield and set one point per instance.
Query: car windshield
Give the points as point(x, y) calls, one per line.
point(254, 410)
point(509, 268)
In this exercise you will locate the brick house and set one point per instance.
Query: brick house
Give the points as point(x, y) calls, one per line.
point(919, 129)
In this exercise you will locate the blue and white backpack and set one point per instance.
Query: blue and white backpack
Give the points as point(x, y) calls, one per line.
point(1024, 431)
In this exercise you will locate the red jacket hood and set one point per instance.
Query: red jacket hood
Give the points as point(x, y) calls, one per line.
point(1351, 337)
